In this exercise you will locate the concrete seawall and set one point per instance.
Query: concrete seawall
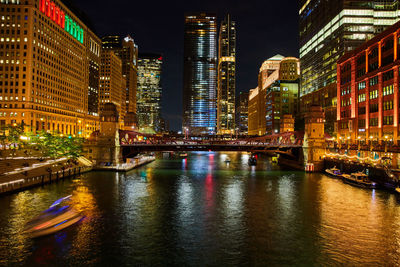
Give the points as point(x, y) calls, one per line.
point(38, 180)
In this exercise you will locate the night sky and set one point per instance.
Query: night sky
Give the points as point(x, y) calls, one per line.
point(264, 28)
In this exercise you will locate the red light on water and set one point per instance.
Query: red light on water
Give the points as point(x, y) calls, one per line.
point(209, 179)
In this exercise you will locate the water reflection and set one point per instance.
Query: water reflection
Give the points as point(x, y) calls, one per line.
point(354, 220)
point(202, 211)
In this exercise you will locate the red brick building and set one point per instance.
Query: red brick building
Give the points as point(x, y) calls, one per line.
point(368, 90)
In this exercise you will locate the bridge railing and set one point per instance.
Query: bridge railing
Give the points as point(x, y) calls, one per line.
point(282, 139)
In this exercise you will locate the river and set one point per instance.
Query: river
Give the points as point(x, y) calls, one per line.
point(205, 211)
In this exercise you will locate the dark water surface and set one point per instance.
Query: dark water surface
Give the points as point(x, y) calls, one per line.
point(203, 211)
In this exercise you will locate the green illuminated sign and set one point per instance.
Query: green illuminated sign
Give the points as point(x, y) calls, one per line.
point(73, 29)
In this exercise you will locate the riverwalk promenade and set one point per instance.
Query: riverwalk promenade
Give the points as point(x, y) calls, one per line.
point(20, 173)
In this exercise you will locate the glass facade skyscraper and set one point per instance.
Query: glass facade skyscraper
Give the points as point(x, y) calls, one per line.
point(149, 91)
point(226, 77)
point(200, 73)
point(329, 29)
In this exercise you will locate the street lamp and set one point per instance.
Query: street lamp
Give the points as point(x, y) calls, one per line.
point(186, 133)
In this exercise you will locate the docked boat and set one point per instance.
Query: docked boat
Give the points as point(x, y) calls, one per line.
point(252, 161)
point(183, 155)
point(52, 220)
point(359, 179)
point(334, 172)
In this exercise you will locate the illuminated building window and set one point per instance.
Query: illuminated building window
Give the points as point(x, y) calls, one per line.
point(388, 105)
point(361, 85)
point(387, 120)
point(361, 98)
point(373, 94)
point(373, 122)
point(387, 90)
point(373, 81)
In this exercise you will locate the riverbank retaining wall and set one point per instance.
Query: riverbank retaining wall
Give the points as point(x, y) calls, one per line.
point(38, 180)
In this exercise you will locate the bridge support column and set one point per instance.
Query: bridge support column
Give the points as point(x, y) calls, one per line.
point(106, 150)
point(314, 140)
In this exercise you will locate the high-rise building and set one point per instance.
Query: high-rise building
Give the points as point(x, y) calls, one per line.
point(276, 95)
point(253, 122)
point(49, 61)
point(368, 90)
point(112, 82)
point(226, 77)
point(126, 49)
point(328, 29)
point(149, 91)
point(200, 73)
point(242, 113)
point(94, 61)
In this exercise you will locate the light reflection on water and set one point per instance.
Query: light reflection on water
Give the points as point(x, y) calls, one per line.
point(203, 211)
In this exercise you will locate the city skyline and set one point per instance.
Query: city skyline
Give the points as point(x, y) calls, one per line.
point(253, 47)
point(284, 145)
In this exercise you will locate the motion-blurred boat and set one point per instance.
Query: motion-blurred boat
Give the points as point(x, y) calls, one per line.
point(52, 220)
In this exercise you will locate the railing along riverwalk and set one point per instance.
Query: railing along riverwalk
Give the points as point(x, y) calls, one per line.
point(36, 180)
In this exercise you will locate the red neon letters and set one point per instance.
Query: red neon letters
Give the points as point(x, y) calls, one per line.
point(53, 12)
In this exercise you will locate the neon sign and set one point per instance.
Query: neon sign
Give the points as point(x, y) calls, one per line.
point(61, 19)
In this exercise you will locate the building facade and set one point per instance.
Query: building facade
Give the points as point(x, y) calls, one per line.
point(326, 98)
point(254, 124)
point(242, 113)
point(200, 73)
point(149, 91)
point(126, 49)
point(277, 94)
point(94, 61)
point(226, 77)
point(112, 82)
point(329, 29)
point(49, 60)
point(368, 90)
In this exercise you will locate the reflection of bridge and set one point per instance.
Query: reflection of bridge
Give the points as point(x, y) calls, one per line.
point(134, 142)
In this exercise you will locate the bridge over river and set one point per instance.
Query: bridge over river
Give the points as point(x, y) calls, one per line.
point(112, 145)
